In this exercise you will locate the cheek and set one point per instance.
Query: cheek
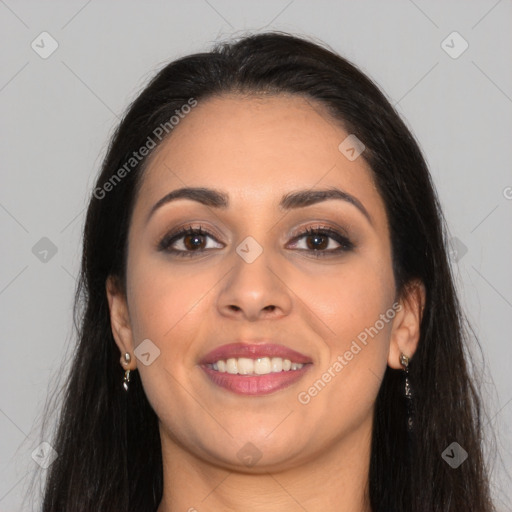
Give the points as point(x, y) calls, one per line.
point(355, 307)
point(352, 298)
point(165, 298)
point(167, 306)
point(171, 305)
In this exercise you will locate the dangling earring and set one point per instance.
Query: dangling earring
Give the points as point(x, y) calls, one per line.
point(126, 379)
point(404, 361)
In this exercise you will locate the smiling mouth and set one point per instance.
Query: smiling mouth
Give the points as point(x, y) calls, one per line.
point(254, 377)
point(254, 368)
point(257, 366)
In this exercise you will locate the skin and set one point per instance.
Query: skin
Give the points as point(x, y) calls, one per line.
point(256, 149)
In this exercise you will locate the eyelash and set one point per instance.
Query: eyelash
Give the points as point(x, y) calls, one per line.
point(345, 244)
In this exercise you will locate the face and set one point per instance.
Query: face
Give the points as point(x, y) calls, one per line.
point(266, 280)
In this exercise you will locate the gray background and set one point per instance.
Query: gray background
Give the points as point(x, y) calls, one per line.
point(58, 113)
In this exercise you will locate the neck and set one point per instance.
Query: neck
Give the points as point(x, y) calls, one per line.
point(336, 480)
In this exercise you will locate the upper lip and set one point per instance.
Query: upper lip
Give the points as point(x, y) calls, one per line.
point(253, 351)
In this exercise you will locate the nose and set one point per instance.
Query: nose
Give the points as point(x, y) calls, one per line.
point(255, 290)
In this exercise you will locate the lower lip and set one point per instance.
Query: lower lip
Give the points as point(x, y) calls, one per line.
point(255, 385)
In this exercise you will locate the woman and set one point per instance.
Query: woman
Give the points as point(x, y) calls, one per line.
point(269, 319)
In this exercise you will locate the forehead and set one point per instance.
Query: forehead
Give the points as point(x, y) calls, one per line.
point(257, 149)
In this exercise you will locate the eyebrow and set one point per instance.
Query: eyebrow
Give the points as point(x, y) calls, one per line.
point(292, 200)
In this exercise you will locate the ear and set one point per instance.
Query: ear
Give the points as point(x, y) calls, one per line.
point(120, 321)
point(405, 332)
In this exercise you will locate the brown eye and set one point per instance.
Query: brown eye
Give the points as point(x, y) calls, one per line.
point(319, 239)
point(192, 240)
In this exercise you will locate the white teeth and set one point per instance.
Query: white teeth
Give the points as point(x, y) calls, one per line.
point(262, 366)
point(232, 366)
point(259, 366)
point(245, 366)
point(277, 364)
